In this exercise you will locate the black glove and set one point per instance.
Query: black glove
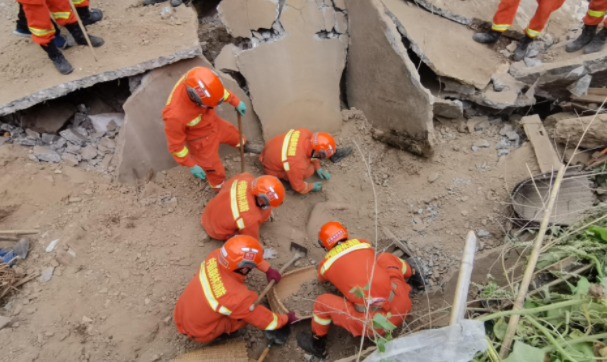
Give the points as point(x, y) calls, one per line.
point(279, 336)
point(416, 280)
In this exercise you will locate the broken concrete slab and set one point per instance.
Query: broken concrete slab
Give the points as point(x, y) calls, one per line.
point(544, 151)
point(48, 117)
point(329, 17)
point(102, 122)
point(45, 154)
point(447, 108)
point(159, 42)
point(444, 45)
point(570, 131)
point(294, 82)
point(242, 16)
point(73, 136)
point(142, 145)
point(226, 60)
point(377, 53)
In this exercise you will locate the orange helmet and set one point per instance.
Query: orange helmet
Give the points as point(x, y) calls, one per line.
point(331, 233)
point(241, 252)
point(204, 87)
point(269, 189)
point(323, 143)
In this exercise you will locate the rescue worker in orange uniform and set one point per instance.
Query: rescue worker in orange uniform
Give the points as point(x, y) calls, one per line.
point(295, 156)
point(503, 18)
point(349, 265)
point(242, 205)
point(590, 40)
point(216, 301)
point(43, 29)
point(193, 129)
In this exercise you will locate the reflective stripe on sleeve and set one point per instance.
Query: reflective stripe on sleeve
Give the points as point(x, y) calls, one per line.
point(173, 91)
point(272, 326)
point(206, 288)
point(234, 204)
point(41, 32)
point(500, 27)
point(225, 311)
point(404, 266)
point(285, 147)
point(321, 321)
point(216, 187)
point(195, 121)
point(596, 14)
point(532, 33)
point(332, 260)
point(226, 95)
point(181, 153)
point(62, 15)
point(77, 2)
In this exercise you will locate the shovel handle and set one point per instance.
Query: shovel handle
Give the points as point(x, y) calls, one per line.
point(271, 284)
point(264, 354)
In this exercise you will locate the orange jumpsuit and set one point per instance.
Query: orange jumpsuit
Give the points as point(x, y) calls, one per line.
point(288, 157)
point(39, 22)
point(234, 210)
point(348, 266)
point(80, 3)
point(506, 11)
point(596, 12)
point(216, 301)
point(194, 133)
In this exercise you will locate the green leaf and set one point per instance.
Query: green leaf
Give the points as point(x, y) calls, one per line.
point(381, 344)
point(599, 232)
point(499, 329)
point(582, 287)
point(525, 353)
point(353, 290)
point(389, 315)
point(380, 321)
point(367, 287)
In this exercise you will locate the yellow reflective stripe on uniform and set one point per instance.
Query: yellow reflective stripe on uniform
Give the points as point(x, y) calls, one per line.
point(285, 147)
point(41, 32)
point(62, 15)
point(404, 266)
point(272, 326)
point(173, 91)
point(218, 186)
point(500, 27)
point(596, 14)
point(226, 95)
point(234, 204)
point(332, 260)
point(532, 33)
point(206, 288)
point(77, 2)
point(195, 121)
point(225, 311)
point(322, 322)
point(181, 153)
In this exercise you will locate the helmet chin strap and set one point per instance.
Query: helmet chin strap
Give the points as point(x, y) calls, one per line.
point(262, 198)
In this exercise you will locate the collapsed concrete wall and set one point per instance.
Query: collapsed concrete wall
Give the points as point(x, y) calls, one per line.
point(142, 144)
point(381, 79)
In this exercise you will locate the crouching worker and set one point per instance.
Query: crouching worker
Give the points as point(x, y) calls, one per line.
point(242, 205)
point(215, 304)
point(349, 265)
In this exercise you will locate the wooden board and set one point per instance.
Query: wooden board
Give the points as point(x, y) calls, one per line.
point(234, 351)
point(590, 98)
point(597, 91)
point(544, 151)
point(290, 283)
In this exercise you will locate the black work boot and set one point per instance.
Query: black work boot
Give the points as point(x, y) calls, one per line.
point(89, 16)
point(487, 38)
point(597, 42)
point(585, 38)
point(78, 35)
point(340, 153)
point(152, 2)
point(54, 54)
point(521, 48)
point(313, 344)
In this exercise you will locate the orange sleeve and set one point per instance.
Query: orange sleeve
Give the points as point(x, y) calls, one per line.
point(251, 229)
point(176, 136)
point(316, 164)
point(263, 266)
point(261, 317)
point(394, 265)
point(320, 276)
point(296, 179)
point(232, 99)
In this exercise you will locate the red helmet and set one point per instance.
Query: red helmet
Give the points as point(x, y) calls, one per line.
point(241, 252)
point(204, 87)
point(331, 233)
point(269, 189)
point(323, 143)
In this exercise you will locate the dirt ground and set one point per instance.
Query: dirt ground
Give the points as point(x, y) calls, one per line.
point(137, 247)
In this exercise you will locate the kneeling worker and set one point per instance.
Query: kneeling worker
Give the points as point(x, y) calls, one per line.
point(216, 302)
point(242, 205)
point(348, 265)
point(295, 156)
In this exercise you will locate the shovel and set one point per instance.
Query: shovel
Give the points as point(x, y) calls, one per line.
point(273, 339)
point(298, 252)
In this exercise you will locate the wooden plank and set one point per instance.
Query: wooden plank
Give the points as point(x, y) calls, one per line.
point(19, 232)
point(590, 98)
point(544, 151)
point(597, 91)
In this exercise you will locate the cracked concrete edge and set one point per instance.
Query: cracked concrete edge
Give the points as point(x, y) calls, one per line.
point(65, 88)
point(444, 13)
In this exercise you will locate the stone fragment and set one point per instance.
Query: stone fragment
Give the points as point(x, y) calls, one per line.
point(513, 136)
point(433, 177)
point(108, 143)
point(49, 139)
point(226, 60)
point(503, 152)
point(73, 148)
point(60, 143)
point(4, 321)
point(32, 134)
point(507, 128)
point(73, 136)
point(482, 233)
point(86, 319)
point(448, 109)
point(503, 144)
point(88, 153)
point(26, 141)
point(532, 62)
point(512, 46)
point(101, 122)
point(45, 154)
point(481, 143)
point(70, 159)
point(107, 159)
point(47, 274)
point(580, 87)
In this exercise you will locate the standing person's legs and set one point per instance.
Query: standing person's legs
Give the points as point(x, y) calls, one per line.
point(21, 29)
point(504, 16)
point(87, 15)
point(39, 23)
point(596, 12)
point(544, 9)
point(590, 40)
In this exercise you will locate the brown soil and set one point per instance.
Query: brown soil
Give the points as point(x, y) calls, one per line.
point(302, 301)
point(114, 300)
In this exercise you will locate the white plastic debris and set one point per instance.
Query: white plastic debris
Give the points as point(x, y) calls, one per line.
point(457, 343)
point(52, 245)
point(269, 254)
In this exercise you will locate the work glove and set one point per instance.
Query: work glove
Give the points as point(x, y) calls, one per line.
point(292, 318)
point(317, 186)
point(198, 172)
point(273, 274)
point(242, 108)
point(281, 334)
point(416, 280)
point(323, 174)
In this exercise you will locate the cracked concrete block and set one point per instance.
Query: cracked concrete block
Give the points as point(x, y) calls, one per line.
point(46, 154)
point(329, 17)
point(313, 17)
point(297, 4)
point(295, 82)
point(342, 22)
point(340, 4)
point(444, 45)
point(447, 108)
point(226, 59)
point(142, 144)
point(381, 79)
point(242, 16)
point(292, 20)
point(580, 87)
